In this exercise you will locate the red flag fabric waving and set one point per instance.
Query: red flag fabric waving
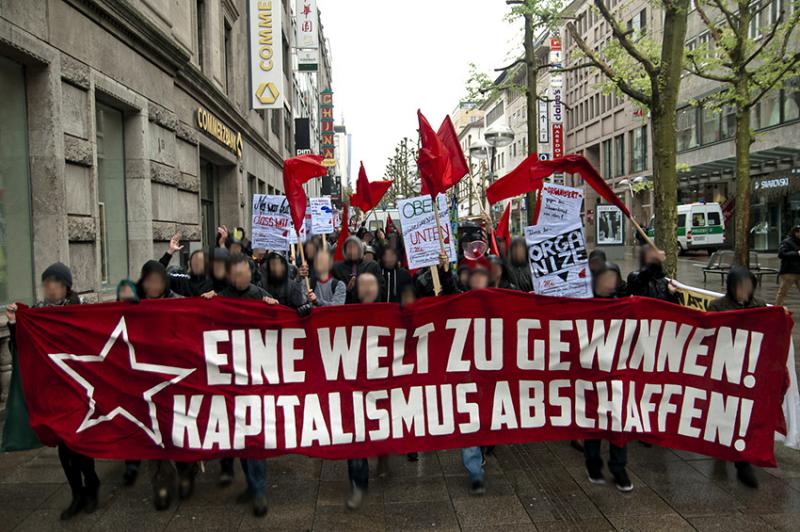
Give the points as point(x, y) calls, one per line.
point(519, 181)
point(434, 160)
point(241, 378)
point(458, 164)
point(368, 193)
point(344, 234)
point(502, 227)
point(389, 225)
point(577, 164)
point(298, 171)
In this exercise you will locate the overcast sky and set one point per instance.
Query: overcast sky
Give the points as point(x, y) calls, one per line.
point(391, 57)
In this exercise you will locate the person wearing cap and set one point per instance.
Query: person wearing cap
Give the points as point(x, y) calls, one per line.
point(218, 271)
point(370, 253)
point(79, 469)
point(789, 273)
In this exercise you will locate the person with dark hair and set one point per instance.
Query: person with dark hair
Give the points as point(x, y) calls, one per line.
point(462, 276)
point(597, 260)
point(498, 275)
point(218, 269)
point(79, 469)
point(354, 265)
point(518, 266)
point(194, 283)
point(395, 277)
point(606, 281)
point(277, 280)
point(740, 294)
point(789, 273)
point(650, 280)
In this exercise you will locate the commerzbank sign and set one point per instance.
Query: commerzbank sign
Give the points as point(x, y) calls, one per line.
point(266, 54)
point(213, 126)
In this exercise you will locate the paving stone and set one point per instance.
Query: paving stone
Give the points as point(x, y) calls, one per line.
point(487, 510)
point(697, 499)
point(227, 517)
point(407, 490)
point(787, 521)
point(728, 523)
point(641, 501)
point(426, 515)
point(598, 524)
point(281, 517)
point(368, 517)
point(650, 523)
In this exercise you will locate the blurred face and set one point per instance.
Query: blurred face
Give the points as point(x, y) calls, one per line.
point(352, 251)
point(154, 286)
point(519, 254)
point(367, 288)
point(650, 256)
point(380, 235)
point(605, 284)
point(239, 275)
point(497, 272)
point(407, 297)
point(197, 265)
point(235, 248)
point(595, 263)
point(54, 290)
point(369, 257)
point(310, 250)
point(322, 264)
point(389, 259)
point(463, 277)
point(126, 293)
point(744, 290)
point(501, 247)
point(277, 267)
point(479, 279)
point(218, 269)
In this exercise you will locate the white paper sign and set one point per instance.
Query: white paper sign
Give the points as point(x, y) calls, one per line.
point(560, 204)
point(420, 234)
point(272, 222)
point(321, 215)
point(558, 259)
point(305, 231)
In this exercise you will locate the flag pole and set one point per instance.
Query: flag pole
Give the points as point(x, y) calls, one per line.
point(439, 230)
point(303, 258)
point(643, 233)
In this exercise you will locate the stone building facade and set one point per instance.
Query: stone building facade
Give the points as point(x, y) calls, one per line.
point(122, 123)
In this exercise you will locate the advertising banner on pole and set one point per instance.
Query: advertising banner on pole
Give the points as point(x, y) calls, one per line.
point(266, 54)
point(420, 234)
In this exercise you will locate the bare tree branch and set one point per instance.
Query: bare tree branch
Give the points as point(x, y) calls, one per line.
point(791, 63)
point(698, 71)
point(765, 40)
point(623, 36)
point(715, 32)
point(729, 15)
point(512, 65)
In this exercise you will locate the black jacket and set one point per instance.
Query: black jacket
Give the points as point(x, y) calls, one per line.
point(346, 269)
point(650, 281)
point(288, 290)
point(251, 292)
point(394, 282)
point(519, 274)
point(728, 301)
point(186, 284)
point(788, 253)
point(423, 283)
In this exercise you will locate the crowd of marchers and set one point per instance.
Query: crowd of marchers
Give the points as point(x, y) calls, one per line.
point(370, 270)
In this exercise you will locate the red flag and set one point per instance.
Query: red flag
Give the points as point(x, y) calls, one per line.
point(519, 181)
point(434, 159)
point(502, 230)
point(577, 164)
point(458, 164)
point(389, 225)
point(368, 193)
point(296, 172)
point(343, 235)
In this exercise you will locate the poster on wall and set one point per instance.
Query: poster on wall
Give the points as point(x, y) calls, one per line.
point(558, 259)
point(420, 234)
point(321, 215)
point(610, 226)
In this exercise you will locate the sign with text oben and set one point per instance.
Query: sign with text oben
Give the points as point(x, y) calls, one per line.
point(191, 379)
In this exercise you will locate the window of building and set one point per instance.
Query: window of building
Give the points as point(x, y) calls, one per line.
point(207, 209)
point(113, 218)
point(638, 24)
point(495, 113)
point(711, 125)
point(275, 122)
point(791, 100)
point(639, 149)
point(728, 122)
point(252, 188)
point(768, 111)
point(200, 29)
point(686, 125)
point(16, 263)
point(287, 130)
point(619, 155)
point(607, 159)
point(228, 44)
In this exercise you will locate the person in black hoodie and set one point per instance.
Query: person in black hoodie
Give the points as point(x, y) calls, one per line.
point(789, 253)
point(79, 469)
point(195, 283)
point(606, 285)
point(518, 267)
point(650, 280)
point(395, 278)
point(354, 265)
point(740, 294)
point(277, 280)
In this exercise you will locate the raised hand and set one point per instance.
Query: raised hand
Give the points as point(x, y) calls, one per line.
point(175, 243)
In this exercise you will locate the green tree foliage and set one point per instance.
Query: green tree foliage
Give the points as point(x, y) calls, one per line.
point(401, 168)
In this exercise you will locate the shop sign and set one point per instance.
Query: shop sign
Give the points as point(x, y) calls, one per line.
point(327, 143)
point(266, 54)
point(226, 136)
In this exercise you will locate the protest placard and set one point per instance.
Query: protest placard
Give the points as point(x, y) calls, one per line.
point(558, 259)
point(321, 215)
point(560, 204)
point(420, 234)
point(272, 222)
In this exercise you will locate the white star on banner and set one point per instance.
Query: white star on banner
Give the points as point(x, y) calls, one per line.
point(90, 420)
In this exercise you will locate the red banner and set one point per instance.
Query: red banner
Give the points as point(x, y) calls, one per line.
point(194, 379)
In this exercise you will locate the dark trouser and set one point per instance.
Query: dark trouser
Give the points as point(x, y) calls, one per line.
point(133, 464)
point(358, 471)
point(617, 456)
point(164, 473)
point(226, 466)
point(79, 470)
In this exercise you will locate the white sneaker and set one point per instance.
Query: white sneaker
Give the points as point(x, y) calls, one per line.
point(356, 498)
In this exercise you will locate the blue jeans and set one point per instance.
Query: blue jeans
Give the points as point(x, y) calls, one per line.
point(472, 458)
point(358, 471)
point(617, 457)
point(255, 472)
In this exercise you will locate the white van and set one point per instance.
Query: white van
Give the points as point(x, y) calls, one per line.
point(700, 226)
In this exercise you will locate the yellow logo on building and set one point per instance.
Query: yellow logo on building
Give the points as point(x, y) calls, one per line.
point(225, 135)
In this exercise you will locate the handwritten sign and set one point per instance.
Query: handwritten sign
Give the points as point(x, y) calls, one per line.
point(558, 260)
point(560, 204)
point(321, 215)
point(420, 234)
point(272, 227)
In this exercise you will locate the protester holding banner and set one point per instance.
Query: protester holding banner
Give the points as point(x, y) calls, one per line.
point(354, 265)
point(326, 290)
point(126, 291)
point(650, 280)
point(519, 269)
point(395, 277)
point(276, 279)
point(499, 277)
point(196, 281)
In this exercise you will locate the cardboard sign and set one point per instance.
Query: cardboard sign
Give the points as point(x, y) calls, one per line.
point(420, 234)
point(321, 215)
point(558, 259)
point(560, 204)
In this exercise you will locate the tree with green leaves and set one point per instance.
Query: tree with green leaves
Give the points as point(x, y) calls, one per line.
point(752, 50)
point(401, 168)
point(648, 70)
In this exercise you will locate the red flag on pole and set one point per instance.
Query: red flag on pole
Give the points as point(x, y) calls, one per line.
point(390, 225)
point(458, 164)
point(343, 235)
point(517, 182)
point(502, 230)
point(298, 171)
point(434, 159)
point(368, 193)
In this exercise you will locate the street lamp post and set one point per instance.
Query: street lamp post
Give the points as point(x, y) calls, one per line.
point(479, 151)
point(497, 136)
